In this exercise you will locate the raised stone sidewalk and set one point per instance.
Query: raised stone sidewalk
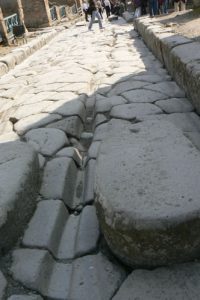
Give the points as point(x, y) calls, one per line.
point(100, 166)
point(180, 55)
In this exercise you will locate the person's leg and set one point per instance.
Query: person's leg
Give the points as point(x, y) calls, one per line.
point(164, 7)
point(155, 7)
point(183, 6)
point(151, 8)
point(100, 12)
point(107, 11)
point(92, 20)
point(176, 6)
point(99, 19)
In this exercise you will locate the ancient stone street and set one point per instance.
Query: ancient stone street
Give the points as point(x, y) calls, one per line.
point(99, 171)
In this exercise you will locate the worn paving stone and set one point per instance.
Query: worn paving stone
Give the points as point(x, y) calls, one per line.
point(92, 276)
point(95, 277)
point(19, 184)
point(161, 166)
point(170, 88)
point(93, 150)
point(122, 87)
point(25, 297)
point(187, 122)
point(3, 285)
point(73, 126)
point(139, 95)
point(175, 105)
point(37, 270)
point(47, 141)
point(175, 282)
point(67, 109)
point(65, 236)
point(134, 110)
point(153, 78)
point(35, 121)
point(30, 109)
point(99, 119)
point(100, 132)
point(72, 153)
point(59, 179)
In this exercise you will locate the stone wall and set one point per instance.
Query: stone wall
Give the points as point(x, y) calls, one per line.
point(9, 7)
point(36, 13)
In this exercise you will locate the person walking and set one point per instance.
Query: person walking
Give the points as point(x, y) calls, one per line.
point(107, 7)
point(85, 7)
point(100, 8)
point(94, 13)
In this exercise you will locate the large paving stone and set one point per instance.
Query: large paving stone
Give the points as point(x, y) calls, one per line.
point(170, 88)
point(181, 282)
point(175, 105)
point(35, 121)
point(73, 126)
point(59, 180)
point(67, 109)
point(122, 87)
point(134, 110)
point(90, 277)
point(47, 141)
point(141, 95)
point(149, 211)
point(19, 184)
point(65, 236)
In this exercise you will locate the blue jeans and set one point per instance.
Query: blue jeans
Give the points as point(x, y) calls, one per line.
point(153, 7)
point(95, 13)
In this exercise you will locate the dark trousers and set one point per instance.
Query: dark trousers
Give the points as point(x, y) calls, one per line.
point(153, 7)
point(107, 11)
point(86, 15)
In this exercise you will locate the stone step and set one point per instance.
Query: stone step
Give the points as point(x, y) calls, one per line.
point(149, 211)
point(19, 185)
point(65, 236)
point(90, 277)
point(180, 282)
point(59, 180)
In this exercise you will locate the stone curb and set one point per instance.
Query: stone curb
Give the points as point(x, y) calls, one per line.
point(180, 55)
point(18, 55)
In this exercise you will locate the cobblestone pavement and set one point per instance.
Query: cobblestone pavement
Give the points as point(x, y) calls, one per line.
point(59, 101)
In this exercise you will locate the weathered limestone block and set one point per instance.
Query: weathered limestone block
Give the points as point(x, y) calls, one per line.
point(179, 281)
point(89, 277)
point(73, 126)
point(35, 121)
point(65, 236)
point(134, 111)
point(147, 195)
point(46, 141)
point(175, 105)
point(19, 184)
point(59, 180)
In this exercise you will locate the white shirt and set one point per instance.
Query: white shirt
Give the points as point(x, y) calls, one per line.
point(107, 3)
point(85, 6)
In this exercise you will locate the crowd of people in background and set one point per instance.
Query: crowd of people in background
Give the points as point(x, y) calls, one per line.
point(156, 7)
point(95, 8)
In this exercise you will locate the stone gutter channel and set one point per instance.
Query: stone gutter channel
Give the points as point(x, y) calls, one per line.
point(53, 247)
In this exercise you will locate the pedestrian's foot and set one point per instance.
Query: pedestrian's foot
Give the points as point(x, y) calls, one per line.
point(102, 28)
